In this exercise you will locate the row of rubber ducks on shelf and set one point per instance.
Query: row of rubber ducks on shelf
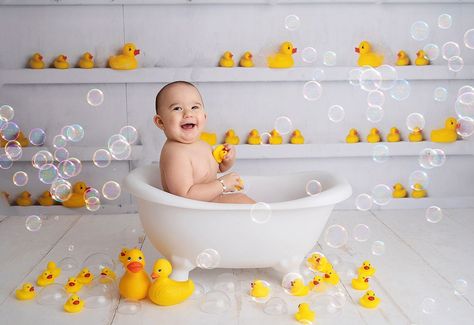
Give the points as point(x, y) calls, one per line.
point(444, 135)
point(400, 192)
point(253, 138)
point(373, 59)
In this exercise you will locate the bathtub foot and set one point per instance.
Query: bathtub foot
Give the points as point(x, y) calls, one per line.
point(181, 268)
point(291, 265)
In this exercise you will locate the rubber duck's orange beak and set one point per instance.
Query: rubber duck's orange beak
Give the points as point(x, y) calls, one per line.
point(49, 276)
point(399, 55)
point(75, 302)
point(32, 289)
point(326, 276)
point(90, 57)
point(294, 50)
point(250, 56)
point(136, 52)
point(71, 284)
point(418, 53)
point(65, 57)
point(155, 275)
point(41, 57)
point(371, 298)
point(458, 125)
point(135, 267)
point(357, 50)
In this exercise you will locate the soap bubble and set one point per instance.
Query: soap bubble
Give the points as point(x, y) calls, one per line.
point(389, 75)
point(70, 248)
point(215, 302)
point(13, 150)
point(378, 248)
point(5, 162)
point(440, 94)
point(428, 306)
point(48, 173)
point(465, 89)
point(129, 133)
point(37, 137)
point(313, 187)
point(260, 212)
point(96, 262)
point(460, 287)
point(312, 90)
point(283, 125)
point(91, 192)
point(33, 223)
point(61, 154)
point(101, 158)
point(265, 138)
point(61, 190)
point(275, 306)
point(41, 158)
point(292, 22)
point(228, 283)
point(466, 127)
point(418, 177)
point(66, 169)
point(469, 38)
point(420, 31)
point(361, 232)
point(287, 279)
point(93, 204)
point(208, 259)
point(374, 114)
point(381, 194)
point(7, 112)
point(354, 76)
point(68, 264)
point(415, 120)
point(370, 79)
point(100, 293)
point(20, 178)
point(434, 214)
point(338, 299)
point(336, 236)
point(425, 157)
point(464, 105)
point(75, 133)
point(129, 307)
point(111, 190)
point(431, 51)
point(3, 123)
point(74, 167)
point(455, 63)
point(54, 294)
point(375, 98)
point(95, 97)
point(318, 74)
point(120, 149)
point(10, 131)
point(380, 153)
point(438, 158)
point(59, 141)
point(401, 90)
point(336, 113)
point(444, 21)
point(309, 54)
point(363, 202)
point(329, 58)
point(450, 49)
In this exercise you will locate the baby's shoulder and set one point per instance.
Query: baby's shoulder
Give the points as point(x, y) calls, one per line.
point(173, 150)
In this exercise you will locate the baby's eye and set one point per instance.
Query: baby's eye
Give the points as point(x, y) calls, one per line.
point(177, 108)
point(195, 107)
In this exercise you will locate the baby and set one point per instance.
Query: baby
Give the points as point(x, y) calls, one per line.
point(187, 165)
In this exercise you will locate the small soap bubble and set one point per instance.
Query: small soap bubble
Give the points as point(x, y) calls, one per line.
point(129, 307)
point(208, 259)
point(438, 158)
point(77, 167)
point(215, 302)
point(68, 264)
point(13, 150)
point(330, 58)
point(381, 194)
point(418, 177)
point(380, 153)
point(309, 54)
point(37, 137)
point(428, 306)
point(464, 105)
point(425, 157)
point(374, 114)
point(33, 223)
point(431, 51)
point(401, 90)
point(53, 294)
point(111, 190)
point(455, 63)
point(318, 74)
point(93, 204)
point(440, 94)
point(61, 154)
point(375, 98)
point(70, 248)
point(313, 187)
point(363, 202)
point(460, 287)
point(10, 131)
point(283, 125)
point(41, 158)
point(130, 134)
point(261, 212)
point(354, 76)
point(434, 214)
point(370, 79)
point(336, 113)
point(415, 120)
point(101, 158)
point(61, 190)
point(312, 90)
point(466, 127)
point(275, 306)
point(120, 150)
point(7, 112)
point(48, 173)
point(66, 169)
point(20, 178)
point(420, 31)
point(378, 248)
point(5, 162)
point(389, 75)
point(445, 21)
point(75, 133)
point(450, 49)
point(95, 97)
point(287, 279)
point(361, 232)
point(292, 22)
point(336, 236)
point(59, 141)
point(469, 38)
point(91, 192)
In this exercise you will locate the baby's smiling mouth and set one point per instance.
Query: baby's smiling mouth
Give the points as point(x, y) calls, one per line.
point(188, 126)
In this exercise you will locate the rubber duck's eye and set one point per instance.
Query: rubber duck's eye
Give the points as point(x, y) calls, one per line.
point(139, 257)
point(288, 47)
point(159, 270)
point(129, 258)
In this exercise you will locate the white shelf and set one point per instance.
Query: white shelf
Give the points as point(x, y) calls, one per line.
point(212, 74)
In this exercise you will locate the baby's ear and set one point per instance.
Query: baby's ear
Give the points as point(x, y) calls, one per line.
point(158, 121)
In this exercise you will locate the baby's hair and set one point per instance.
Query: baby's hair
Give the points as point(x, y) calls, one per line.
point(162, 91)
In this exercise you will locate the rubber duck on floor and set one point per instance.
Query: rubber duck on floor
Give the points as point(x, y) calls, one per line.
point(24, 199)
point(45, 278)
point(418, 192)
point(416, 135)
point(304, 314)
point(46, 199)
point(107, 274)
point(74, 304)
point(258, 289)
point(361, 282)
point(26, 292)
point(296, 137)
point(246, 60)
point(399, 191)
point(126, 60)
point(72, 285)
point(421, 58)
point(254, 137)
point(393, 135)
point(298, 288)
point(226, 60)
point(374, 136)
point(284, 57)
point(402, 59)
point(231, 137)
point(448, 134)
point(86, 61)
point(85, 276)
point(331, 277)
point(210, 138)
point(366, 269)
point(369, 300)
point(135, 282)
point(61, 62)
point(55, 270)
point(165, 291)
point(353, 136)
point(77, 197)
point(317, 284)
point(319, 263)
point(367, 57)
point(36, 61)
point(275, 137)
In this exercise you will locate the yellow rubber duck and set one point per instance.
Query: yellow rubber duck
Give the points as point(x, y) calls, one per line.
point(135, 282)
point(284, 57)
point(399, 191)
point(369, 300)
point(319, 262)
point(421, 58)
point(123, 256)
point(353, 136)
point(226, 60)
point(107, 273)
point(210, 138)
point(126, 60)
point(416, 135)
point(45, 279)
point(259, 289)
point(393, 135)
point(74, 304)
point(231, 137)
point(55, 270)
point(304, 314)
point(86, 61)
point(317, 284)
point(26, 292)
point(275, 137)
point(374, 136)
point(219, 153)
point(366, 269)
point(331, 277)
point(361, 282)
point(85, 276)
point(448, 134)
point(61, 62)
point(72, 285)
point(298, 288)
point(367, 57)
point(36, 61)
point(24, 199)
point(403, 59)
point(418, 191)
point(165, 291)
point(296, 137)
point(77, 197)
point(45, 199)
point(246, 60)
point(254, 137)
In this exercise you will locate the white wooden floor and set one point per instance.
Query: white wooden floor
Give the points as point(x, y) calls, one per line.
point(422, 260)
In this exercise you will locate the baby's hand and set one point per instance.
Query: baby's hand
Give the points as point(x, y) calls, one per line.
point(230, 156)
point(231, 181)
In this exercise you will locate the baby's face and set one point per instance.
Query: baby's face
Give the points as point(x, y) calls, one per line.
point(181, 114)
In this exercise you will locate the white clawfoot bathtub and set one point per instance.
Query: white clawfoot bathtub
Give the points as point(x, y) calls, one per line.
point(181, 228)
